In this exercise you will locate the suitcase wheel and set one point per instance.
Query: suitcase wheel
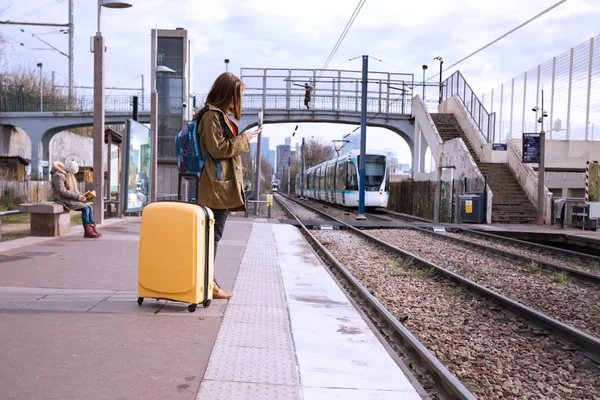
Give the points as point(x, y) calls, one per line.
point(206, 303)
point(140, 300)
point(192, 307)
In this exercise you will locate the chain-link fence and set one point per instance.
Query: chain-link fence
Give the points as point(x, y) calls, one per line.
point(571, 89)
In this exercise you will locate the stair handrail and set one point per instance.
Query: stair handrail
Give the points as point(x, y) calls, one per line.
point(485, 121)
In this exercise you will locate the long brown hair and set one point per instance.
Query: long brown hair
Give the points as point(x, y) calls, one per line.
point(226, 87)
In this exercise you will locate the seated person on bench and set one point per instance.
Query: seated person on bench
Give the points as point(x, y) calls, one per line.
point(64, 191)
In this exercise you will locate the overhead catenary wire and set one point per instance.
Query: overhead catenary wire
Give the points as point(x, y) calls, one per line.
point(337, 45)
point(50, 4)
point(500, 38)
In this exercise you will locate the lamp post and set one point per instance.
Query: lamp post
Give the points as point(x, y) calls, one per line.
point(227, 65)
point(424, 69)
point(39, 65)
point(158, 69)
point(98, 133)
point(541, 168)
point(441, 60)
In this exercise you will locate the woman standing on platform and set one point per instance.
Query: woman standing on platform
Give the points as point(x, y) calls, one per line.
point(221, 185)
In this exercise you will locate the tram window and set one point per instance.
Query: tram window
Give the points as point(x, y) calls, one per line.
point(374, 170)
point(330, 176)
point(351, 177)
point(340, 178)
point(321, 179)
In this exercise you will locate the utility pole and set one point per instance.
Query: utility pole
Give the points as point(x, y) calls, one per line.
point(39, 65)
point(363, 139)
point(441, 60)
point(135, 108)
point(71, 51)
point(302, 172)
point(289, 167)
point(541, 169)
point(143, 102)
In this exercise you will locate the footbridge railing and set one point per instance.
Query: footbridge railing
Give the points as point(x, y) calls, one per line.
point(456, 85)
point(326, 90)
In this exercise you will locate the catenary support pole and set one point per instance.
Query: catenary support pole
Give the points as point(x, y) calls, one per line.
point(363, 139)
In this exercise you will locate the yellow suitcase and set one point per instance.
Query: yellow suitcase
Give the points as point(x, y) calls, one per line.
point(176, 253)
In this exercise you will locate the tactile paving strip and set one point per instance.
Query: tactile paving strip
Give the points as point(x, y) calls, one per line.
point(249, 364)
point(252, 274)
point(265, 315)
point(241, 391)
point(253, 357)
point(253, 335)
point(258, 298)
point(264, 285)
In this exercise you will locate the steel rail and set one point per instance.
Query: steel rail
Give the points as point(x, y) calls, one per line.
point(581, 275)
point(448, 382)
point(587, 343)
point(523, 243)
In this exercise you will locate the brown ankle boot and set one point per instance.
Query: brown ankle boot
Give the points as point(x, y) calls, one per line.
point(95, 231)
point(89, 232)
point(219, 293)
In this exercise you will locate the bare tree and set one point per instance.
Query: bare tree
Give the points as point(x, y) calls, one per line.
point(316, 151)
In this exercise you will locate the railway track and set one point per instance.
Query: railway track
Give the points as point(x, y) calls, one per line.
point(581, 266)
point(581, 261)
point(468, 297)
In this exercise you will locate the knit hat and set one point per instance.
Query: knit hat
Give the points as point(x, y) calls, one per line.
point(72, 167)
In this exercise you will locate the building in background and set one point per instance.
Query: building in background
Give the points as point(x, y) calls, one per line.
point(173, 50)
point(283, 156)
point(272, 160)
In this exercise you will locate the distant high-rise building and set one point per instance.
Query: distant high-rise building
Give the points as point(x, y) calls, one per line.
point(264, 148)
point(272, 159)
point(283, 156)
point(288, 141)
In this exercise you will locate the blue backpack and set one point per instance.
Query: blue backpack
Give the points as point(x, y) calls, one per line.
point(187, 148)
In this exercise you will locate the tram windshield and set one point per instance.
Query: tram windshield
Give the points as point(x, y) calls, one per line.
point(374, 170)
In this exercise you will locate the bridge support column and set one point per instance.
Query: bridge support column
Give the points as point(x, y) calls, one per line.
point(35, 157)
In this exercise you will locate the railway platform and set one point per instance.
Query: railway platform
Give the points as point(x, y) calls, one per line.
point(71, 326)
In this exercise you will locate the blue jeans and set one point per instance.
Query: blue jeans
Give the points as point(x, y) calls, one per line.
point(87, 216)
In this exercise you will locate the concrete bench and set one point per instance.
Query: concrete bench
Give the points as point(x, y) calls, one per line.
point(48, 219)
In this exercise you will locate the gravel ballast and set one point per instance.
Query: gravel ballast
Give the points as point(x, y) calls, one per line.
point(495, 354)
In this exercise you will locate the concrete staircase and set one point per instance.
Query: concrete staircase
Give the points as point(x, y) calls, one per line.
point(510, 203)
point(449, 129)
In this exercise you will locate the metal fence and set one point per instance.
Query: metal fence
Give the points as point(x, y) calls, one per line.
point(571, 85)
point(330, 90)
point(15, 102)
point(456, 85)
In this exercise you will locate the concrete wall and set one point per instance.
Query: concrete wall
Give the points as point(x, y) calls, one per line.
point(482, 148)
point(568, 153)
point(78, 147)
point(14, 142)
point(451, 154)
point(455, 154)
point(527, 177)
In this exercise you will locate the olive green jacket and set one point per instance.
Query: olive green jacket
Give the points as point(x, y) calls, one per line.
point(226, 190)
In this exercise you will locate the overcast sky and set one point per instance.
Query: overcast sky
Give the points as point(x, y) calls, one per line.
point(404, 34)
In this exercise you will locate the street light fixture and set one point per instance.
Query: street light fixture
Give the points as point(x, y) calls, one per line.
point(441, 60)
point(98, 134)
point(541, 168)
point(227, 65)
point(39, 65)
point(424, 69)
